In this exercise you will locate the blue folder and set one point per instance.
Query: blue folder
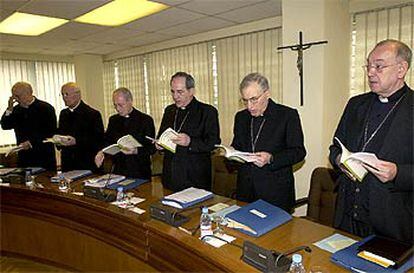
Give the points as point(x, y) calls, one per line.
point(348, 258)
point(128, 183)
point(260, 216)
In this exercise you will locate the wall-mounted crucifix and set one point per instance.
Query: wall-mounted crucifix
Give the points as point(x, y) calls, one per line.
point(299, 63)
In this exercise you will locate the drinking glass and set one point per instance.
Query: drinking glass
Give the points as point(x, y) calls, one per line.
point(220, 223)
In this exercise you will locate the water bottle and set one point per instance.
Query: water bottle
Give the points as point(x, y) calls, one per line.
point(297, 266)
point(120, 195)
point(28, 178)
point(205, 223)
point(63, 186)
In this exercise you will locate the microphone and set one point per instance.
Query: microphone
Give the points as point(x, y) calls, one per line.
point(291, 251)
point(101, 193)
point(268, 260)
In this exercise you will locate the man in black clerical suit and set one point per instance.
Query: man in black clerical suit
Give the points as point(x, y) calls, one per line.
point(134, 163)
point(274, 134)
point(379, 122)
point(198, 131)
point(33, 121)
point(83, 127)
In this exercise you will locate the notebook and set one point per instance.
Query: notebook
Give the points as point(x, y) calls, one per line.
point(76, 174)
point(385, 251)
point(259, 217)
point(348, 259)
point(186, 198)
point(127, 184)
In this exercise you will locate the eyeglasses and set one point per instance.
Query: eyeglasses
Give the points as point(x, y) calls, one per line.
point(252, 100)
point(378, 67)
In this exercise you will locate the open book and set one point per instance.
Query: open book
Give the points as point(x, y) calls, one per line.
point(353, 161)
point(233, 154)
point(165, 140)
point(57, 139)
point(125, 142)
point(14, 150)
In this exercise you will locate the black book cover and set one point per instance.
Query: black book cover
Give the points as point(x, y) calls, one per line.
point(394, 250)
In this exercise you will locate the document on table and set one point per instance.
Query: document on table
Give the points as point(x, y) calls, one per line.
point(334, 243)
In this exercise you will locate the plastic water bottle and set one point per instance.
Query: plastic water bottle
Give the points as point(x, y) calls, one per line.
point(120, 195)
point(297, 266)
point(28, 178)
point(63, 185)
point(205, 223)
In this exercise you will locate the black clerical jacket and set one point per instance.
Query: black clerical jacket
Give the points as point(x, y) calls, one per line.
point(280, 136)
point(35, 123)
point(85, 125)
point(138, 125)
point(190, 166)
point(389, 205)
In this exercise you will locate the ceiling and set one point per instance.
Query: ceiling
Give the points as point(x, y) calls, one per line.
point(183, 18)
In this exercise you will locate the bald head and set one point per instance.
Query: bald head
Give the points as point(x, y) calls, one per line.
point(22, 92)
point(71, 94)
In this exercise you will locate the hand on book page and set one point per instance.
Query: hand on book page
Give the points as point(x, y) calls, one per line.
point(127, 144)
point(166, 140)
point(58, 140)
point(233, 154)
point(385, 171)
point(355, 162)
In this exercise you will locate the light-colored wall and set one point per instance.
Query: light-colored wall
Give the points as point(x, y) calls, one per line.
point(325, 75)
point(89, 77)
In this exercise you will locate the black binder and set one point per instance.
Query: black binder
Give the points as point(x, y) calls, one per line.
point(391, 249)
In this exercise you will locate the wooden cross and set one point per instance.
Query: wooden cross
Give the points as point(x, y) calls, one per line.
point(299, 63)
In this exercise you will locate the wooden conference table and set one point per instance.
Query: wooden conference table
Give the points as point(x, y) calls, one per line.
point(84, 234)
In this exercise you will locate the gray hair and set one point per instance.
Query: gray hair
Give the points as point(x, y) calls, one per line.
point(254, 78)
point(71, 85)
point(23, 86)
point(403, 51)
point(124, 92)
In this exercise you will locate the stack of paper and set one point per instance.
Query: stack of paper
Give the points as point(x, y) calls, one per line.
point(186, 198)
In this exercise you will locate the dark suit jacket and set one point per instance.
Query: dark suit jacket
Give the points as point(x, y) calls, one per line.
point(138, 125)
point(35, 123)
point(281, 136)
point(191, 166)
point(85, 124)
point(390, 205)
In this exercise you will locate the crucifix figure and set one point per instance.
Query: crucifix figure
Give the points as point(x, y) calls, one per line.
point(299, 63)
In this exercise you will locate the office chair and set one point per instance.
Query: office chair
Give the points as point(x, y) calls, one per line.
point(322, 196)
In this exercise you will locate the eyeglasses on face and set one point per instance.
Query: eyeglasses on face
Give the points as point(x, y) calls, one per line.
point(252, 100)
point(378, 67)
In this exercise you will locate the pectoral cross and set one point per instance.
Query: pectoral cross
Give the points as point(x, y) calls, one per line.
point(299, 63)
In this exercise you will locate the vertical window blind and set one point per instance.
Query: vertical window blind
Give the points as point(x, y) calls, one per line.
point(45, 77)
point(370, 27)
point(218, 66)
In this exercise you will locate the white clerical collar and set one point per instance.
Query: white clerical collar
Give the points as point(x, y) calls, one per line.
point(383, 99)
point(76, 106)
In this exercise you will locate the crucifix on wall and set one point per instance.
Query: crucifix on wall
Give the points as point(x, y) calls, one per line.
point(299, 63)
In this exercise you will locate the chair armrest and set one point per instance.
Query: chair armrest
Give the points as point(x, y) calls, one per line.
point(301, 202)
